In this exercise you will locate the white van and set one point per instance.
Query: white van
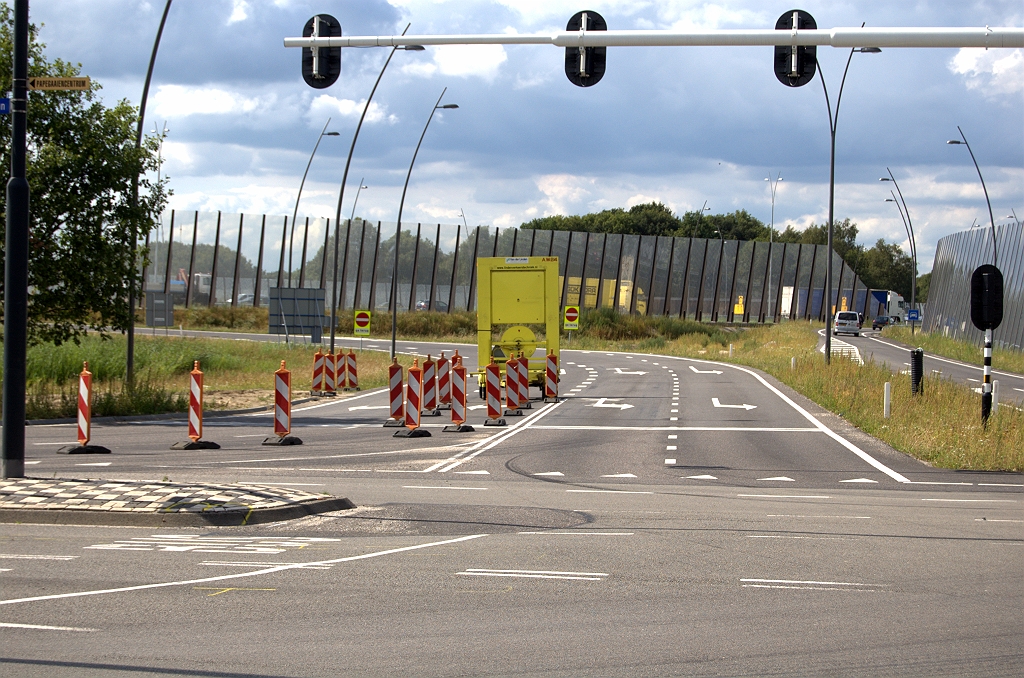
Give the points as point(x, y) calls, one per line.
point(848, 322)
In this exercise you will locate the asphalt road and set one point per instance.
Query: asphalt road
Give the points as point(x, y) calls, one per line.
point(668, 517)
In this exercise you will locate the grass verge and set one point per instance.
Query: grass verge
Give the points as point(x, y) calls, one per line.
point(957, 349)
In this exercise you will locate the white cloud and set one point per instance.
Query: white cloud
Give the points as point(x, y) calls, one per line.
point(995, 72)
point(325, 104)
point(564, 193)
point(462, 61)
point(239, 12)
point(178, 101)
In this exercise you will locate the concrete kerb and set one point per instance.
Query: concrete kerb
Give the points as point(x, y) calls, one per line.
point(127, 419)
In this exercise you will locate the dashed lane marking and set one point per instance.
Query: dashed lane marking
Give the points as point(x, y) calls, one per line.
point(859, 480)
point(703, 477)
point(549, 473)
point(670, 461)
point(19, 556)
point(784, 479)
point(609, 492)
point(226, 589)
point(573, 534)
point(749, 429)
point(998, 501)
point(786, 496)
point(41, 627)
point(535, 574)
point(619, 475)
point(440, 487)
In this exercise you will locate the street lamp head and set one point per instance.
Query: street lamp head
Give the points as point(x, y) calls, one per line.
point(413, 48)
point(884, 179)
point(890, 199)
point(448, 106)
point(362, 186)
point(332, 134)
point(954, 141)
point(869, 50)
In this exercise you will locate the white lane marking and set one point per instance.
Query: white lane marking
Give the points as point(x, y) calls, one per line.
point(261, 563)
point(534, 574)
point(477, 407)
point(703, 477)
point(1018, 389)
point(671, 448)
point(286, 484)
point(800, 581)
point(673, 437)
point(439, 487)
point(1001, 484)
point(674, 411)
point(785, 479)
point(5, 569)
point(787, 536)
point(673, 418)
point(549, 473)
point(73, 442)
point(783, 515)
point(787, 496)
point(744, 406)
point(670, 461)
point(40, 627)
point(935, 482)
point(976, 381)
point(240, 575)
point(754, 429)
point(19, 556)
point(369, 407)
point(696, 371)
point(1000, 501)
point(343, 401)
point(859, 480)
point(97, 463)
point(997, 520)
point(35, 462)
point(488, 443)
point(599, 534)
point(609, 492)
point(804, 588)
point(932, 356)
point(619, 475)
point(473, 473)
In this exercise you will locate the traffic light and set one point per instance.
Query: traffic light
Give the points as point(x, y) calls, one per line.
point(987, 297)
point(321, 66)
point(584, 66)
point(795, 66)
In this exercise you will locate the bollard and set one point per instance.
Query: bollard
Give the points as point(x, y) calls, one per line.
point(317, 387)
point(551, 379)
point(492, 374)
point(512, 388)
point(430, 388)
point(84, 418)
point(792, 364)
point(395, 389)
point(887, 400)
point(330, 373)
point(413, 403)
point(444, 385)
point(195, 415)
point(730, 350)
point(995, 395)
point(282, 409)
point(351, 373)
point(524, 382)
point(458, 398)
point(917, 371)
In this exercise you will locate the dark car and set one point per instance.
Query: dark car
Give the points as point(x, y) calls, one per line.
point(880, 322)
point(438, 306)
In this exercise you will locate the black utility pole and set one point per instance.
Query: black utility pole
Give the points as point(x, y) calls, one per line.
point(16, 261)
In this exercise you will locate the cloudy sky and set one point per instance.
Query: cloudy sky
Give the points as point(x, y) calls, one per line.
point(676, 125)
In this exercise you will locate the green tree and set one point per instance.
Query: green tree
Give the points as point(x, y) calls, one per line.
point(646, 219)
point(923, 283)
point(739, 225)
point(80, 165)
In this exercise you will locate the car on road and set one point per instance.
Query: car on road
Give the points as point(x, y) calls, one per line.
point(846, 322)
point(880, 322)
point(438, 306)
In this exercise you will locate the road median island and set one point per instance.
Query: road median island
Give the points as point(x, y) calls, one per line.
point(155, 504)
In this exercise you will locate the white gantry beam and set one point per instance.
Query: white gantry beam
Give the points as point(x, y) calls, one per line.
point(835, 37)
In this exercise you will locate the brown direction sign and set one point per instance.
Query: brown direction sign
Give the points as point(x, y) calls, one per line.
point(59, 83)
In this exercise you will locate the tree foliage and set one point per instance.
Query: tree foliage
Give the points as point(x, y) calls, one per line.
point(84, 227)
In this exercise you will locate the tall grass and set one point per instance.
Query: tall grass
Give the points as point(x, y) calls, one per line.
point(957, 349)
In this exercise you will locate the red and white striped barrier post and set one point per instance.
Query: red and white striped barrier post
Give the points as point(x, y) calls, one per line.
point(444, 377)
point(351, 373)
point(430, 388)
point(318, 373)
point(395, 378)
point(195, 414)
point(282, 409)
point(551, 379)
point(330, 374)
point(524, 382)
point(492, 376)
point(458, 398)
point(512, 388)
point(84, 417)
point(413, 404)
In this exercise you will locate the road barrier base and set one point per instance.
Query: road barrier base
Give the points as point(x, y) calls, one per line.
point(551, 400)
point(393, 423)
point(458, 428)
point(282, 440)
point(195, 445)
point(512, 413)
point(495, 422)
point(83, 449)
point(412, 433)
point(323, 394)
point(351, 389)
point(525, 406)
point(436, 412)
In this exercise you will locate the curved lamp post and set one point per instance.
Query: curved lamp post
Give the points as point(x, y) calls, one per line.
point(992, 221)
point(344, 180)
point(291, 239)
point(833, 121)
point(771, 236)
point(356, 201)
point(909, 226)
point(398, 229)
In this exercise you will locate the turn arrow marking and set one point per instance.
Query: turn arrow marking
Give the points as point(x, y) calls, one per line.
point(619, 370)
point(744, 406)
point(705, 371)
point(601, 402)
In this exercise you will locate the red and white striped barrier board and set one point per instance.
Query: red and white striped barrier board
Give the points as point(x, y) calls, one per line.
point(430, 387)
point(395, 386)
point(84, 405)
point(351, 374)
point(195, 403)
point(551, 378)
point(330, 373)
point(282, 401)
point(318, 372)
point(458, 397)
point(444, 376)
point(414, 396)
point(512, 387)
point(524, 381)
point(492, 375)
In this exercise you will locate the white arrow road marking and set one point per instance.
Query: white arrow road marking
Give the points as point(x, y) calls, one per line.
point(704, 477)
point(782, 478)
point(619, 475)
point(859, 480)
point(549, 473)
point(744, 406)
point(619, 370)
point(605, 402)
point(369, 407)
point(705, 371)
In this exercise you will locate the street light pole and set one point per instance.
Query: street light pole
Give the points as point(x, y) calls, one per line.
point(291, 240)
point(356, 201)
point(771, 237)
point(344, 180)
point(909, 226)
point(398, 229)
point(955, 142)
point(833, 122)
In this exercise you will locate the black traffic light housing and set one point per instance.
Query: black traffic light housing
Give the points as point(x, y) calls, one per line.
point(795, 66)
point(321, 66)
point(584, 66)
point(987, 297)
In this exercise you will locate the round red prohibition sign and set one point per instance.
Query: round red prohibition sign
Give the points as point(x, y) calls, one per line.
point(362, 319)
point(571, 314)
